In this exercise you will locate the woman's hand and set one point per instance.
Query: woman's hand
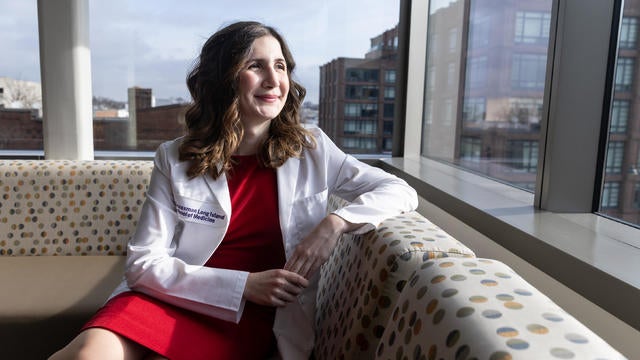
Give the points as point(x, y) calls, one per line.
point(276, 287)
point(315, 249)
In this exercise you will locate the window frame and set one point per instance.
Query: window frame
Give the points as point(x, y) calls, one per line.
point(539, 228)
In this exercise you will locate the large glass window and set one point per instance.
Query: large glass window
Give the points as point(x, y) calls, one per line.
point(620, 189)
point(20, 90)
point(498, 82)
point(142, 50)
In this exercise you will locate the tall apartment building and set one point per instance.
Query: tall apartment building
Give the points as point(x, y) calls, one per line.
point(357, 97)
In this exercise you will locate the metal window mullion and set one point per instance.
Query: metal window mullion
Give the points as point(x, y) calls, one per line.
point(577, 93)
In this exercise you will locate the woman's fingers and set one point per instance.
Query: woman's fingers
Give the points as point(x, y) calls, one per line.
point(276, 287)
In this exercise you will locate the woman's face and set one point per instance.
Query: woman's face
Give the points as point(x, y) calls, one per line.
point(263, 82)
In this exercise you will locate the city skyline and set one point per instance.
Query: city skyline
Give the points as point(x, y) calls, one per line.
point(136, 44)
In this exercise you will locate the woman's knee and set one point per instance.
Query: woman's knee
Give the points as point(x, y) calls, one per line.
point(99, 344)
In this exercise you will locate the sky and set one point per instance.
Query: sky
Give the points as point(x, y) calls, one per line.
point(153, 44)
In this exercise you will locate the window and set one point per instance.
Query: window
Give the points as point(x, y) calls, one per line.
point(610, 195)
point(528, 71)
point(619, 116)
point(361, 110)
point(523, 155)
point(532, 27)
point(636, 195)
point(477, 72)
point(20, 90)
point(387, 127)
point(615, 155)
point(628, 33)
point(364, 127)
point(624, 74)
point(390, 76)
point(453, 39)
point(353, 143)
point(389, 93)
point(361, 92)
point(479, 32)
point(362, 75)
point(500, 91)
point(470, 149)
point(474, 109)
point(389, 110)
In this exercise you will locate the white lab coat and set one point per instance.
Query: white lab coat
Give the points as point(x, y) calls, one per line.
point(184, 220)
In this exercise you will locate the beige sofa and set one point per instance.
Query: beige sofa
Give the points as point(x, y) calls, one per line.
point(405, 291)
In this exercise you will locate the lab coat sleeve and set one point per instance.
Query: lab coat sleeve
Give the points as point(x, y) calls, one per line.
point(152, 269)
point(374, 194)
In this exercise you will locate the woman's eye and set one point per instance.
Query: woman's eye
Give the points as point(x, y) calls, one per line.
point(254, 66)
point(280, 66)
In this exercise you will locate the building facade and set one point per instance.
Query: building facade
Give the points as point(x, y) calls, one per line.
point(357, 97)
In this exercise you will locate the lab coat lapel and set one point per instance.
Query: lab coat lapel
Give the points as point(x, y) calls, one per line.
point(220, 190)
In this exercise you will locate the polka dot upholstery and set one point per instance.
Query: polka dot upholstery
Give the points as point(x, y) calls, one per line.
point(481, 309)
point(408, 290)
point(362, 280)
point(62, 207)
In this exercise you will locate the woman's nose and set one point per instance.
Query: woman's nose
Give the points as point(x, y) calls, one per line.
point(271, 79)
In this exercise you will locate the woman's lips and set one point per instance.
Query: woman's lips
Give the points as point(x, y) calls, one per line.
point(268, 98)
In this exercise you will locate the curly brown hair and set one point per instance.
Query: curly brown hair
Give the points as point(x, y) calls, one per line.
point(214, 130)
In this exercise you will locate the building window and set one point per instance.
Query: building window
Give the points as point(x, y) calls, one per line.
point(624, 74)
point(363, 75)
point(636, 195)
point(610, 194)
point(523, 155)
point(359, 143)
point(387, 127)
point(474, 109)
point(453, 39)
point(451, 75)
point(628, 33)
point(525, 112)
point(615, 155)
point(389, 93)
point(619, 116)
point(390, 76)
point(361, 110)
point(363, 127)
point(362, 92)
point(479, 32)
point(387, 144)
point(477, 72)
point(389, 110)
point(532, 27)
point(528, 71)
point(470, 149)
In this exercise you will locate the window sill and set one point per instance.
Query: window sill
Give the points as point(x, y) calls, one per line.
point(594, 256)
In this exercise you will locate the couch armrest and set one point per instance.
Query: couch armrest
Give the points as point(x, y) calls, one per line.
point(361, 281)
point(478, 308)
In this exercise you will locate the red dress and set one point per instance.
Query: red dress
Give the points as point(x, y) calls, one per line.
point(253, 243)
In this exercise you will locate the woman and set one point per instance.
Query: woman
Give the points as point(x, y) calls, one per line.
point(225, 258)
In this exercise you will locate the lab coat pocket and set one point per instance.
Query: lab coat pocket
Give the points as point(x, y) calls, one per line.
point(309, 211)
point(200, 212)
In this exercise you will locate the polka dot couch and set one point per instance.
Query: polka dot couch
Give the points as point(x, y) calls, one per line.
point(407, 290)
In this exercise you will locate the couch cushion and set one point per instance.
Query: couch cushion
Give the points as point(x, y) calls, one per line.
point(61, 207)
point(481, 309)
